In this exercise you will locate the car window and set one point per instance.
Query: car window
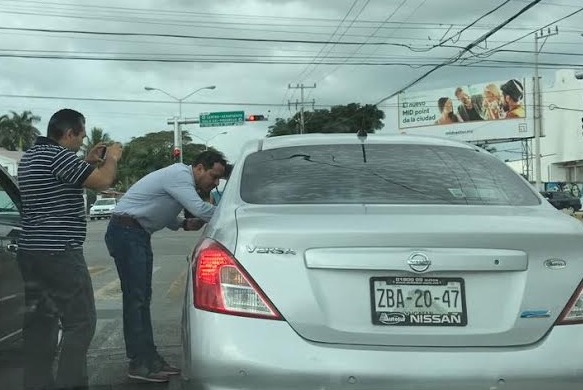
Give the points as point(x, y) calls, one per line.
point(392, 174)
point(104, 202)
point(9, 210)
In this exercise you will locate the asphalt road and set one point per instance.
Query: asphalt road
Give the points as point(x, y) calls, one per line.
point(107, 360)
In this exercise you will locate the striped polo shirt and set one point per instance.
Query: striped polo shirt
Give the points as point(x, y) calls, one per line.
point(50, 179)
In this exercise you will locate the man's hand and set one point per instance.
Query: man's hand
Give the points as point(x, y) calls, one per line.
point(114, 151)
point(94, 155)
point(191, 224)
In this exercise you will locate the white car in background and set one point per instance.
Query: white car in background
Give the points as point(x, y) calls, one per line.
point(389, 262)
point(102, 208)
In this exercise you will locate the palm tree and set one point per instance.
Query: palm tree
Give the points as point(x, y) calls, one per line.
point(5, 126)
point(96, 136)
point(18, 132)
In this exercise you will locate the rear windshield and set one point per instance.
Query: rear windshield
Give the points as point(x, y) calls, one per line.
point(392, 174)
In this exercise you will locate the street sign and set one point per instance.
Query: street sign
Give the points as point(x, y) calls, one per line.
point(225, 118)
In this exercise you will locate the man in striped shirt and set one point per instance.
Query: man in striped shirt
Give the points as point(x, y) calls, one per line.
point(58, 287)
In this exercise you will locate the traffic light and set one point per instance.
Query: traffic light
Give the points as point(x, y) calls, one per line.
point(176, 153)
point(254, 118)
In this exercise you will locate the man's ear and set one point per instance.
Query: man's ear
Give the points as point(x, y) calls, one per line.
point(198, 170)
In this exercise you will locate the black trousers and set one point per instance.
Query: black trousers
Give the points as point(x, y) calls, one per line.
point(57, 287)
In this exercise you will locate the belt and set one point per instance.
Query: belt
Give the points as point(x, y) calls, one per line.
point(126, 220)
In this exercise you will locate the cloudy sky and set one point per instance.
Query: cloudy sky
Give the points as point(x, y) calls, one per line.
point(97, 56)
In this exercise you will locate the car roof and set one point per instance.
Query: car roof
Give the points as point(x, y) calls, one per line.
point(351, 138)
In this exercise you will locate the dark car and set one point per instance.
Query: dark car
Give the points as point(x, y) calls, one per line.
point(562, 200)
point(11, 285)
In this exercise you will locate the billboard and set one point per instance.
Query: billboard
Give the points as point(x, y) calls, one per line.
point(496, 110)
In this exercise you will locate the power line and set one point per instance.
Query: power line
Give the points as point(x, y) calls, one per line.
point(183, 36)
point(111, 100)
point(246, 48)
point(496, 49)
point(203, 24)
point(329, 39)
point(468, 48)
point(411, 59)
point(116, 10)
point(287, 92)
point(565, 5)
point(367, 39)
point(254, 104)
point(458, 34)
point(341, 36)
point(164, 59)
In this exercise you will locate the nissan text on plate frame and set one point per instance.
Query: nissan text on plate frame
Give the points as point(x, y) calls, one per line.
point(407, 262)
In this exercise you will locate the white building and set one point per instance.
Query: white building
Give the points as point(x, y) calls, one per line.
point(562, 144)
point(9, 160)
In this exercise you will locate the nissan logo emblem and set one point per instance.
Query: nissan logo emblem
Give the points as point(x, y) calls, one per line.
point(419, 262)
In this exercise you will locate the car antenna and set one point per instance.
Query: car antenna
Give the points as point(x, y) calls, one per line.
point(362, 137)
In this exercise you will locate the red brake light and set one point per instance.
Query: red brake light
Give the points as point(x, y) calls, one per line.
point(573, 312)
point(221, 285)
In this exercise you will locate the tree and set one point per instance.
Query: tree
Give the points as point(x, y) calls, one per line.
point(151, 152)
point(339, 119)
point(17, 132)
point(95, 137)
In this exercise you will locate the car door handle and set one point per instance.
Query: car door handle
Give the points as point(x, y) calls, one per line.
point(12, 247)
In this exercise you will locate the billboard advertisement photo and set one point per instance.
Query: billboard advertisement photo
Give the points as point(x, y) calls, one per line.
point(494, 110)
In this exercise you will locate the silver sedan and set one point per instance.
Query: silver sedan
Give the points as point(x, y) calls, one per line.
point(385, 262)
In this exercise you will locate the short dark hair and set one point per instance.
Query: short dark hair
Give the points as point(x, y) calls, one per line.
point(63, 120)
point(209, 158)
point(458, 90)
point(514, 89)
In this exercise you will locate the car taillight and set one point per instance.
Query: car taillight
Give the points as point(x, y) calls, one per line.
point(221, 285)
point(573, 312)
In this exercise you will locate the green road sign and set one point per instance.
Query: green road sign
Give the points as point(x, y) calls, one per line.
point(226, 118)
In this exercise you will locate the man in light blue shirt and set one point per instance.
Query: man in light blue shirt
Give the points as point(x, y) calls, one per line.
point(151, 204)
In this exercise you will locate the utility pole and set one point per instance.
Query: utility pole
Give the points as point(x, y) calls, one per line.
point(301, 87)
point(538, 123)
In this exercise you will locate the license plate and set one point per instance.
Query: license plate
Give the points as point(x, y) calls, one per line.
point(418, 301)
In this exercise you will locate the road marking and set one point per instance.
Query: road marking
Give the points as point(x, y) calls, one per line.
point(112, 290)
point(10, 335)
point(97, 270)
point(177, 287)
point(8, 297)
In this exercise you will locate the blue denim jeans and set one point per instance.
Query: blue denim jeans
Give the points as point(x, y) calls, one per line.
point(131, 249)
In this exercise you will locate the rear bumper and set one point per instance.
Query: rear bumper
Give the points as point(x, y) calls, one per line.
point(225, 352)
point(97, 214)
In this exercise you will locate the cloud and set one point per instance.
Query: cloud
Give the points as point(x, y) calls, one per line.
point(417, 23)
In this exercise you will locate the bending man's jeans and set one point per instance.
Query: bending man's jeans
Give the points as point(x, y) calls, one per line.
point(132, 251)
point(57, 287)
